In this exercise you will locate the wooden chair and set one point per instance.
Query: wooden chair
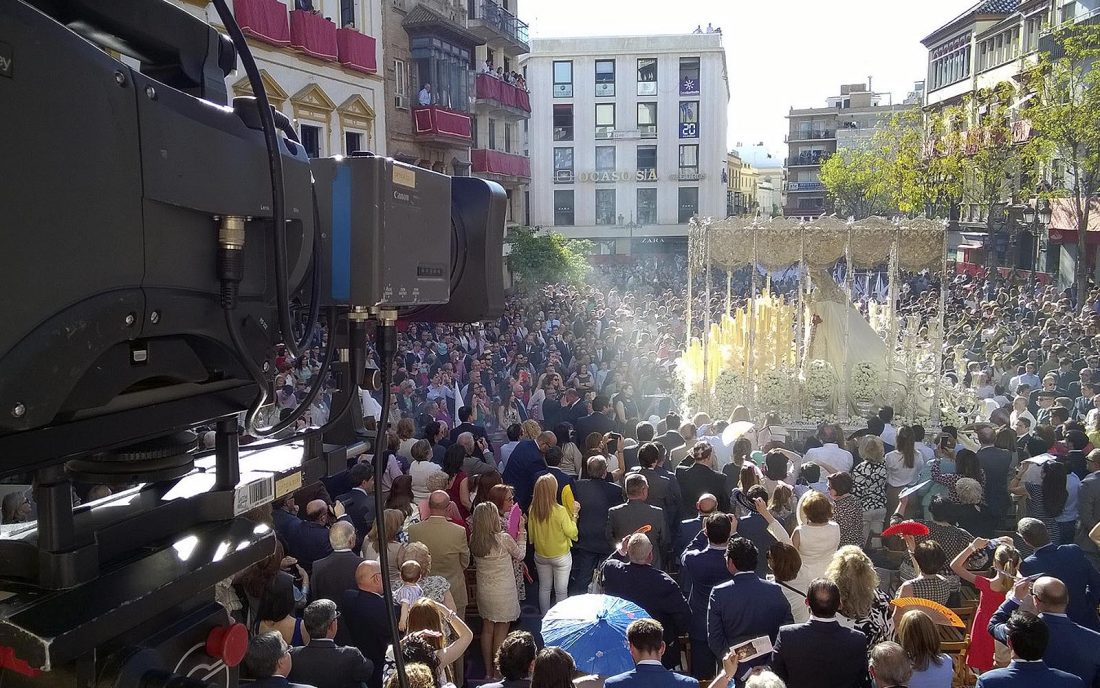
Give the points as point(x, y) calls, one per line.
point(956, 649)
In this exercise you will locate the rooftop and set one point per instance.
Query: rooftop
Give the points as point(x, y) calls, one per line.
point(595, 45)
point(980, 8)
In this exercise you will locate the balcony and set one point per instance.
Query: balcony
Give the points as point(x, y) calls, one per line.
point(812, 135)
point(357, 51)
point(807, 213)
point(500, 166)
point(313, 35)
point(805, 186)
point(810, 159)
point(264, 20)
point(501, 97)
point(434, 124)
point(499, 28)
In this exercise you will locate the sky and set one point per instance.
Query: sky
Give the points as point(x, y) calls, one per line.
point(780, 54)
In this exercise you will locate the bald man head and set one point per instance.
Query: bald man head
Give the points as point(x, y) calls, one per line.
point(438, 502)
point(706, 504)
point(316, 510)
point(368, 576)
point(546, 440)
point(1050, 595)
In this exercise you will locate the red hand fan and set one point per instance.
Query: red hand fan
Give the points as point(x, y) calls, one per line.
point(906, 528)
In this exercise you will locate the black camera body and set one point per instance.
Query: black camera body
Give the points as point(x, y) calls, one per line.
point(123, 192)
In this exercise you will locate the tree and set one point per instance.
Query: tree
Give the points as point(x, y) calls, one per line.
point(920, 177)
point(854, 178)
point(539, 258)
point(1065, 114)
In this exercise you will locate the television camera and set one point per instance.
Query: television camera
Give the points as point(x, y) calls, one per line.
point(159, 241)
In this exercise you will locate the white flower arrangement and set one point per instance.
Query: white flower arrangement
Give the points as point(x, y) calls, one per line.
point(729, 392)
point(821, 379)
point(958, 405)
point(775, 392)
point(866, 382)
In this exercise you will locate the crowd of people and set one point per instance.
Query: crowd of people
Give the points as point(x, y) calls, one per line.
point(544, 455)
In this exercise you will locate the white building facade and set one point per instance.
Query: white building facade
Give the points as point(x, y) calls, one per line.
point(627, 138)
point(321, 69)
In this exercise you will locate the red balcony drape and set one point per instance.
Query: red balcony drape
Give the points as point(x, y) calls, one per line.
point(357, 50)
point(498, 162)
point(434, 120)
point(264, 20)
point(313, 35)
point(491, 88)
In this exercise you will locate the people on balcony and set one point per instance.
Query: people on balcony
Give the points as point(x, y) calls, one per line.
point(424, 98)
point(306, 6)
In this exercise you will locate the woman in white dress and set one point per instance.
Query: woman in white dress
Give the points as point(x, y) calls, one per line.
point(817, 536)
point(497, 598)
point(421, 469)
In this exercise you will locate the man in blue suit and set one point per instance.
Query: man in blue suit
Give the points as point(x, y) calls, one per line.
point(645, 640)
point(1072, 648)
point(689, 528)
point(526, 463)
point(800, 649)
point(745, 607)
point(268, 661)
point(700, 571)
point(1068, 564)
point(1028, 636)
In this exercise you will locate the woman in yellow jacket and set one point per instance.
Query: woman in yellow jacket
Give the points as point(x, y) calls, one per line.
point(553, 530)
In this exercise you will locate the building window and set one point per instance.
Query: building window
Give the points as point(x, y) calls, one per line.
point(563, 208)
point(689, 161)
point(446, 66)
point(563, 122)
point(605, 206)
point(949, 63)
point(689, 203)
point(605, 120)
point(492, 134)
point(689, 76)
point(689, 119)
point(647, 162)
point(1033, 26)
point(605, 158)
point(563, 165)
point(605, 77)
point(401, 81)
point(563, 79)
point(647, 120)
point(353, 142)
point(508, 139)
point(647, 76)
point(647, 206)
point(311, 139)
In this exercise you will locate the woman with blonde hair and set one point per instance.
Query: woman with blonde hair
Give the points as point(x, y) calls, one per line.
point(984, 652)
point(919, 637)
point(504, 497)
point(530, 430)
point(394, 521)
point(553, 531)
point(817, 536)
point(863, 606)
point(497, 598)
point(440, 623)
point(405, 431)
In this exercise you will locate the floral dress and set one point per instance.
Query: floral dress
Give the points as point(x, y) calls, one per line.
point(869, 485)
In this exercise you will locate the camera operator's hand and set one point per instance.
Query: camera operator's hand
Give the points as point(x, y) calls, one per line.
point(338, 508)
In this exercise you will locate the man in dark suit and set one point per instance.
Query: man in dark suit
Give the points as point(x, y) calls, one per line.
point(366, 624)
point(996, 463)
point(335, 573)
point(746, 606)
point(800, 648)
point(671, 438)
point(1068, 564)
point(465, 413)
point(526, 464)
point(651, 589)
point(664, 490)
point(624, 519)
point(644, 639)
point(700, 571)
point(359, 500)
point(573, 410)
point(754, 526)
point(689, 528)
point(697, 476)
point(597, 421)
point(597, 496)
point(1072, 648)
point(644, 432)
point(1028, 636)
point(322, 662)
point(268, 662)
point(1088, 505)
point(309, 542)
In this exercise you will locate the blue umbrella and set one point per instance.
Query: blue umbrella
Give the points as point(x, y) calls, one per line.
point(592, 628)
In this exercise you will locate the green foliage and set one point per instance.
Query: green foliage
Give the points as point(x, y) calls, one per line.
point(1065, 116)
point(538, 258)
point(854, 178)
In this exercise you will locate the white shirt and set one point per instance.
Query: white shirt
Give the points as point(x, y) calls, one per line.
point(890, 435)
point(505, 452)
point(424, 97)
point(832, 455)
point(371, 408)
point(897, 474)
